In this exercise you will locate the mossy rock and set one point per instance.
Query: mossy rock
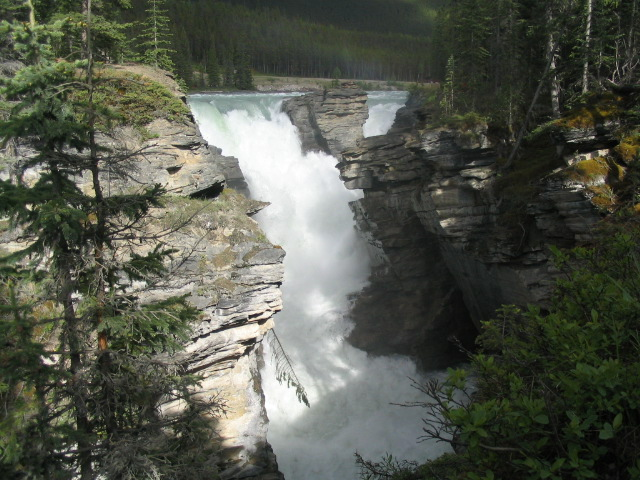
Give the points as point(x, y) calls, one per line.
point(629, 148)
point(225, 259)
point(467, 122)
point(594, 110)
point(134, 100)
point(597, 171)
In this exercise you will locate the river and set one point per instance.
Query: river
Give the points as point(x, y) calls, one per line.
point(351, 394)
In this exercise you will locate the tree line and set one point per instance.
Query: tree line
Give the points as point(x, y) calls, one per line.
point(213, 36)
point(517, 58)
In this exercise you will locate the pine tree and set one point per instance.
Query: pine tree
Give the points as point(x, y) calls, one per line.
point(213, 68)
point(243, 78)
point(448, 88)
point(228, 72)
point(155, 37)
point(84, 399)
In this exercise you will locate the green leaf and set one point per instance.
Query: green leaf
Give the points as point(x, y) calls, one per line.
point(607, 432)
point(542, 419)
point(617, 421)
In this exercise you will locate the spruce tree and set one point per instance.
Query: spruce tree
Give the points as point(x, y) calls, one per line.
point(155, 37)
point(213, 68)
point(228, 78)
point(80, 377)
point(243, 78)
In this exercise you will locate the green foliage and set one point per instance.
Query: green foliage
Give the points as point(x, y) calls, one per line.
point(555, 394)
point(447, 103)
point(279, 43)
point(109, 38)
point(335, 77)
point(135, 100)
point(243, 78)
point(214, 71)
point(501, 70)
point(85, 376)
point(448, 466)
point(153, 42)
point(284, 368)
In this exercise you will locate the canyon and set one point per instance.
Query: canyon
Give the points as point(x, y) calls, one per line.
point(447, 246)
point(449, 249)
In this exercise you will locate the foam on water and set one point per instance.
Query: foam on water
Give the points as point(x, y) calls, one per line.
point(382, 111)
point(350, 392)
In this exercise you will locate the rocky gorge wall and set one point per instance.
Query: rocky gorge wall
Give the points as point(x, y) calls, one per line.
point(229, 271)
point(450, 249)
point(223, 263)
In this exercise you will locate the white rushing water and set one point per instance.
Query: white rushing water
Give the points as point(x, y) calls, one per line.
point(350, 392)
point(382, 111)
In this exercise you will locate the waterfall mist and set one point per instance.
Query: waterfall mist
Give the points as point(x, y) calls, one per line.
point(350, 392)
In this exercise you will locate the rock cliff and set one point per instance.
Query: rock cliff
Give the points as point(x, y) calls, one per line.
point(228, 270)
point(456, 237)
point(224, 264)
point(329, 121)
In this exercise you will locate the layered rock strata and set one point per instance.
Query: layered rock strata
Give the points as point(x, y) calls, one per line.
point(448, 176)
point(450, 250)
point(223, 263)
point(412, 305)
point(228, 270)
point(329, 121)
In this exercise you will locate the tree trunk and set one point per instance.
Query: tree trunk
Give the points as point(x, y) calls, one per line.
point(587, 47)
point(32, 12)
point(551, 61)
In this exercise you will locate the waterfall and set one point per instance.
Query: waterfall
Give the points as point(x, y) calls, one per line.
point(382, 111)
point(350, 392)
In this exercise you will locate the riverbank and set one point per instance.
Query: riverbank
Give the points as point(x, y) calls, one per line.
point(271, 83)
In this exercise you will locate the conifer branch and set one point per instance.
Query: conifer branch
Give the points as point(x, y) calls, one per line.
point(284, 367)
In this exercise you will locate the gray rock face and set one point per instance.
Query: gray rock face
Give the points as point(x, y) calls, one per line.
point(413, 305)
point(331, 121)
point(176, 157)
point(446, 257)
point(449, 177)
point(232, 274)
point(224, 265)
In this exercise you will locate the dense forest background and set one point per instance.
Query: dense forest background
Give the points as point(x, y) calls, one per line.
point(366, 39)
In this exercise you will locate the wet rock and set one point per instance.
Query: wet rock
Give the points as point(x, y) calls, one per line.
point(329, 121)
point(446, 256)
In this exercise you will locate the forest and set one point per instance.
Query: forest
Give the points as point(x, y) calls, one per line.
point(294, 42)
point(518, 60)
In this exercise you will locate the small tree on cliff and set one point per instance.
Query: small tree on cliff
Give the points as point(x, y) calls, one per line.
point(155, 37)
point(80, 377)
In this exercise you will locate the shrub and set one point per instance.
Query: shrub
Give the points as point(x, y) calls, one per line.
point(557, 393)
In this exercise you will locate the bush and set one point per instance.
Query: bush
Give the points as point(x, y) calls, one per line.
point(557, 393)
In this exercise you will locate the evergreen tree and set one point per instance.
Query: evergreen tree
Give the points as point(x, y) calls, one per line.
point(243, 78)
point(155, 37)
point(83, 399)
point(181, 59)
point(448, 88)
point(213, 68)
point(228, 73)
point(335, 77)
